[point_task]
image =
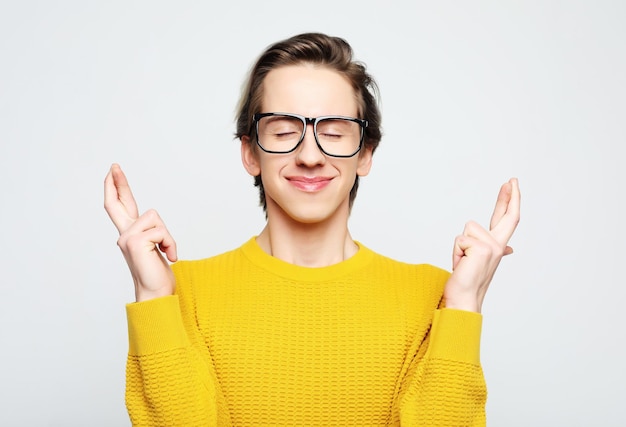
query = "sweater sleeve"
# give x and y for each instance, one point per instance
(444, 383)
(170, 378)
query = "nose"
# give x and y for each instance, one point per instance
(308, 153)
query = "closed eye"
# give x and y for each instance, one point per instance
(330, 135)
(284, 134)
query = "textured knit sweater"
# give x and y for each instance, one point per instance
(250, 340)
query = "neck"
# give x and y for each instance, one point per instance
(307, 245)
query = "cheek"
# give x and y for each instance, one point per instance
(271, 168)
(351, 168)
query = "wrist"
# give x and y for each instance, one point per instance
(465, 304)
(142, 294)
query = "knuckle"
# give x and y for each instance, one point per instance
(152, 216)
(469, 226)
(152, 213)
(160, 230)
(122, 242)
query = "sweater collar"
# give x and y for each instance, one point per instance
(260, 258)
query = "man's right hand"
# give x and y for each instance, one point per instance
(143, 239)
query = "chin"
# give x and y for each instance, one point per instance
(312, 214)
(308, 217)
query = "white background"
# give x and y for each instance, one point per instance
(473, 92)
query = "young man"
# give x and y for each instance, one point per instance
(302, 325)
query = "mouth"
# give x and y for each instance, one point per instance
(309, 184)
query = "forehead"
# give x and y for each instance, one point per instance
(310, 90)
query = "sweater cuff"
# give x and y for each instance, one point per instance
(455, 335)
(154, 326)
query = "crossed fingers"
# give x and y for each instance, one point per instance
(506, 214)
(118, 199)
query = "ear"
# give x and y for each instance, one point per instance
(249, 157)
(365, 162)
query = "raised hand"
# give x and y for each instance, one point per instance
(477, 252)
(143, 239)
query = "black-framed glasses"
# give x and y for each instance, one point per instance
(282, 133)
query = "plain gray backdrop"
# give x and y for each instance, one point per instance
(473, 93)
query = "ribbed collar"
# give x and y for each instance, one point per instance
(260, 258)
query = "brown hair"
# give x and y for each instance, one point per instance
(315, 48)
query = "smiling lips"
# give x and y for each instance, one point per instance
(309, 184)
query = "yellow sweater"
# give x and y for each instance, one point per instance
(250, 340)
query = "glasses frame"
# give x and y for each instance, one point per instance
(305, 122)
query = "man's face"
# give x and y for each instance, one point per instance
(305, 185)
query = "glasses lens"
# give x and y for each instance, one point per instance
(279, 133)
(339, 137)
